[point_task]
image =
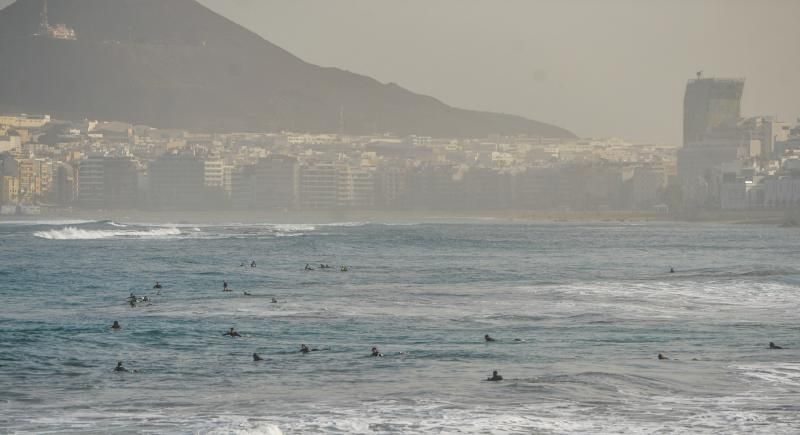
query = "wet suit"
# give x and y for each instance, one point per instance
(495, 377)
(232, 333)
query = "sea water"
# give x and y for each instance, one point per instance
(580, 313)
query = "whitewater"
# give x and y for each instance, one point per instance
(580, 313)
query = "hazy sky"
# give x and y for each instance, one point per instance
(598, 68)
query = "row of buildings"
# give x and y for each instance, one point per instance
(184, 181)
(111, 165)
(726, 161)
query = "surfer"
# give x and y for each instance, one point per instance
(376, 352)
(253, 264)
(274, 301)
(308, 267)
(232, 333)
(774, 346)
(660, 356)
(247, 294)
(157, 286)
(495, 377)
(116, 325)
(487, 338)
(225, 286)
(306, 349)
(257, 357)
(343, 269)
(671, 270)
(120, 368)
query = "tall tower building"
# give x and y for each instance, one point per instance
(711, 109)
(44, 25)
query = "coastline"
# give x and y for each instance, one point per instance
(762, 217)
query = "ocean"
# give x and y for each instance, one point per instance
(579, 313)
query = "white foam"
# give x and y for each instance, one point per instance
(346, 224)
(784, 374)
(245, 428)
(72, 233)
(293, 228)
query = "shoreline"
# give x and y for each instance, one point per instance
(759, 217)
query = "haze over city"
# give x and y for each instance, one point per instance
(601, 69)
(614, 68)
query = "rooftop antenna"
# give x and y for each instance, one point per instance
(45, 24)
(341, 119)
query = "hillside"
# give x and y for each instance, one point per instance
(175, 63)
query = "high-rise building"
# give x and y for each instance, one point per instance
(711, 109)
(214, 174)
(105, 182)
(318, 186)
(177, 182)
(64, 184)
(120, 182)
(391, 186)
(356, 187)
(711, 132)
(214, 180)
(90, 182)
(30, 180)
(276, 183)
(9, 190)
(270, 184)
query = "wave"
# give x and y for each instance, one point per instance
(291, 228)
(345, 224)
(735, 273)
(785, 374)
(246, 428)
(72, 233)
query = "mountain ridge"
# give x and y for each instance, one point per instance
(176, 63)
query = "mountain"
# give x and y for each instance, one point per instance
(175, 63)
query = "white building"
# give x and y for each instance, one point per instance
(8, 143)
(356, 187)
(214, 174)
(318, 186)
(24, 120)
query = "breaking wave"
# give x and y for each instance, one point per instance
(72, 233)
(292, 228)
